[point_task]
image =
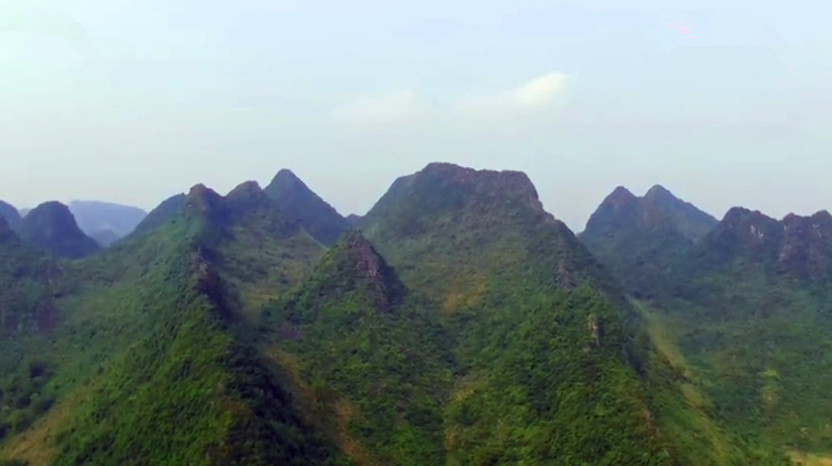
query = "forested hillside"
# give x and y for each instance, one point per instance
(456, 323)
(749, 306)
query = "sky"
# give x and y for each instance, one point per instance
(723, 103)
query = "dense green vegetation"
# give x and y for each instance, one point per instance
(371, 365)
(146, 369)
(462, 325)
(639, 239)
(165, 212)
(749, 307)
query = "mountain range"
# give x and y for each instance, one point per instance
(457, 322)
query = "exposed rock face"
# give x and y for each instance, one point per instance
(384, 286)
(800, 246)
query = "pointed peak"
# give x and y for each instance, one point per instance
(203, 200)
(286, 174)
(659, 192)
(246, 190)
(286, 186)
(355, 258)
(285, 180)
(620, 196)
(301, 205)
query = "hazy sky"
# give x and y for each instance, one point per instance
(132, 101)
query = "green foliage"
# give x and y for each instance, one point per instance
(373, 363)
(168, 210)
(749, 307)
(144, 334)
(491, 337)
(545, 380)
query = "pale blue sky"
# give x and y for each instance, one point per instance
(131, 101)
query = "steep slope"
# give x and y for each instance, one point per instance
(165, 212)
(688, 219)
(749, 306)
(754, 305)
(639, 239)
(9, 214)
(259, 246)
(145, 342)
(51, 227)
(312, 213)
(551, 364)
(359, 355)
(104, 221)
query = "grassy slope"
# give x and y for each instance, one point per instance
(761, 341)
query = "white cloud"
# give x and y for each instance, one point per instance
(541, 92)
(407, 106)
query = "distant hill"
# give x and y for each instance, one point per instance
(52, 227)
(317, 217)
(9, 214)
(106, 222)
(638, 238)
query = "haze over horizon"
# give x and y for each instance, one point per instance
(723, 105)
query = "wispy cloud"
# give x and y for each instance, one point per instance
(408, 106)
(538, 93)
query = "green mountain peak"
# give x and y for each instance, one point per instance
(354, 264)
(52, 227)
(204, 201)
(302, 205)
